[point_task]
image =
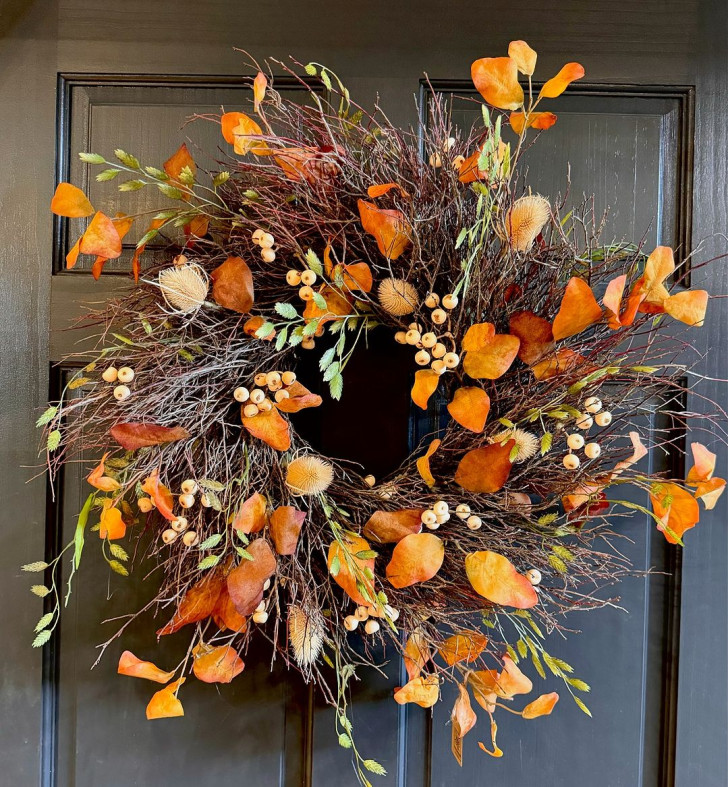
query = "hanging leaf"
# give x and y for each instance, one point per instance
(416, 558)
(71, 202)
(251, 516)
(423, 463)
(556, 85)
(285, 528)
(164, 704)
(232, 285)
(485, 469)
(488, 355)
(388, 527)
(496, 79)
(422, 690)
(216, 664)
(535, 334)
(270, 427)
(470, 407)
(464, 646)
(134, 667)
(541, 706)
(100, 481)
(161, 496)
(495, 578)
(245, 582)
(198, 603)
(426, 382)
(388, 227)
(579, 309)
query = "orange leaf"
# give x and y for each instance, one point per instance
(494, 577)
(423, 463)
(688, 306)
(111, 525)
(612, 302)
(72, 256)
(562, 361)
(133, 435)
(357, 276)
(351, 568)
(226, 616)
(468, 171)
(579, 309)
(243, 133)
(232, 285)
(101, 238)
(285, 527)
(556, 85)
(180, 159)
(162, 497)
(385, 188)
(388, 227)
(523, 56)
(485, 469)
(470, 407)
(676, 509)
(299, 164)
(270, 427)
(537, 120)
(422, 690)
(488, 355)
(512, 681)
(710, 491)
(164, 704)
(496, 79)
(252, 325)
(541, 706)
(416, 654)
(71, 202)
(535, 333)
(251, 516)
(426, 381)
(703, 464)
(97, 478)
(416, 558)
(336, 306)
(299, 398)
(136, 259)
(462, 647)
(198, 603)
(245, 582)
(130, 665)
(463, 716)
(388, 527)
(260, 83)
(123, 224)
(216, 665)
(483, 683)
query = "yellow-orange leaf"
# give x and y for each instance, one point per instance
(538, 120)
(494, 577)
(688, 306)
(496, 79)
(562, 361)
(579, 309)
(243, 133)
(180, 159)
(463, 716)
(416, 654)
(112, 525)
(101, 238)
(462, 647)
(251, 516)
(134, 667)
(424, 690)
(676, 509)
(123, 224)
(523, 56)
(541, 706)
(97, 478)
(485, 469)
(426, 381)
(71, 202)
(198, 603)
(388, 227)
(270, 427)
(416, 558)
(488, 355)
(299, 398)
(259, 85)
(556, 85)
(162, 497)
(388, 527)
(351, 576)
(384, 188)
(470, 407)
(216, 664)
(356, 276)
(423, 463)
(164, 704)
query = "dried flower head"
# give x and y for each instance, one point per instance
(398, 297)
(525, 219)
(309, 475)
(184, 287)
(526, 443)
(306, 635)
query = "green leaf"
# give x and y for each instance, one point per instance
(209, 562)
(522, 649)
(546, 442)
(644, 369)
(537, 664)
(42, 638)
(47, 416)
(374, 767)
(547, 519)
(119, 552)
(512, 653)
(214, 500)
(107, 174)
(344, 741)
(211, 541)
(44, 622)
(327, 358)
(118, 568)
(513, 453)
(564, 553)
(40, 590)
(159, 174)
(335, 566)
(579, 685)
(336, 386)
(243, 553)
(580, 704)
(506, 422)
(167, 214)
(39, 565)
(146, 238)
(169, 191)
(92, 158)
(296, 336)
(314, 263)
(54, 440)
(126, 158)
(320, 301)
(325, 79)
(208, 483)
(266, 329)
(132, 185)
(287, 310)
(242, 537)
(366, 554)
(345, 723)
(311, 69)
(331, 371)
(557, 564)
(310, 328)
(461, 237)
(186, 175)
(220, 179)
(281, 338)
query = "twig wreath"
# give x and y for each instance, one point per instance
(327, 223)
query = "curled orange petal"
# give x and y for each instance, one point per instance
(426, 382)
(101, 238)
(111, 525)
(216, 664)
(424, 690)
(470, 407)
(541, 706)
(97, 478)
(676, 509)
(423, 463)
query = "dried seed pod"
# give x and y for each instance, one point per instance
(371, 627)
(306, 293)
(308, 277)
(293, 278)
(179, 525)
(260, 617)
(398, 297)
(309, 475)
(525, 219)
(184, 287)
(412, 336)
(592, 450)
(451, 360)
(281, 395)
(474, 522)
(369, 480)
(585, 422)
(191, 538)
(186, 501)
(575, 442)
(266, 240)
(604, 418)
(428, 339)
(527, 444)
(422, 358)
(400, 337)
(288, 378)
(188, 486)
(571, 462)
(361, 613)
(439, 316)
(462, 511)
(438, 366)
(593, 404)
(121, 392)
(267, 255)
(110, 375)
(306, 635)
(169, 536)
(533, 575)
(250, 410)
(432, 301)
(450, 301)
(350, 623)
(241, 394)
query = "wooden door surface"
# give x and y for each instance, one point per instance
(645, 131)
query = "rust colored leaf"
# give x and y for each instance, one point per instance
(232, 285)
(496, 79)
(416, 558)
(270, 427)
(251, 516)
(464, 646)
(299, 398)
(162, 497)
(354, 277)
(424, 690)
(562, 361)
(180, 159)
(485, 469)
(416, 654)
(101, 238)
(216, 664)
(130, 665)
(164, 704)
(351, 575)
(103, 482)
(488, 355)
(523, 56)
(260, 83)
(388, 527)
(423, 463)
(198, 603)
(285, 527)
(538, 120)
(388, 227)
(384, 188)
(245, 582)
(133, 435)
(226, 616)
(71, 202)
(494, 577)
(579, 309)
(535, 333)
(112, 525)
(252, 325)
(556, 85)
(336, 306)
(676, 509)
(426, 381)
(541, 706)
(470, 407)
(463, 716)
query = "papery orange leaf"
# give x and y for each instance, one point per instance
(488, 355)
(423, 463)
(216, 664)
(424, 690)
(260, 83)
(251, 516)
(638, 452)
(388, 227)
(470, 407)
(494, 577)
(485, 469)
(535, 333)
(226, 616)
(245, 582)
(496, 79)
(198, 603)
(541, 706)
(612, 301)
(134, 667)
(356, 276)
(388, 527)
(416, 654)
(523, 56)
(426, 381)
(164, 704)
(703, 464)
(556, 85)
(111, 525)
(351, 575)
(416, 558)
(232, 285)
(155, 224)
(197, 227)
(384, 188)
(162, 497)
(133, 435)
(123, 224)
(285, 527)
(101, 238)
(299, 398)
(538, 120)
(97, 478)
(511, 680)
(71, 202)
(252, 325)
(676, 509)
(337, 306)
(688, 306)
(483, 683)
(710, 491)
(270, 427)
(462, 647)
(299, 164)
(463, 716)
(579, 309)
(243, 133)
(562, 361)
(72, 256)
(180, 159)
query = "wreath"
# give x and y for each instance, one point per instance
(324, 223)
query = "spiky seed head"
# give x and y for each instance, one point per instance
(184, 287)
(398, 297)
(526, 443)
(309, 475)
(306, 635)
(525, 219)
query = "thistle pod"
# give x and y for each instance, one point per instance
(398, 297)
(309, 475)
(184, 287)
(524, 221)
(306, 635)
